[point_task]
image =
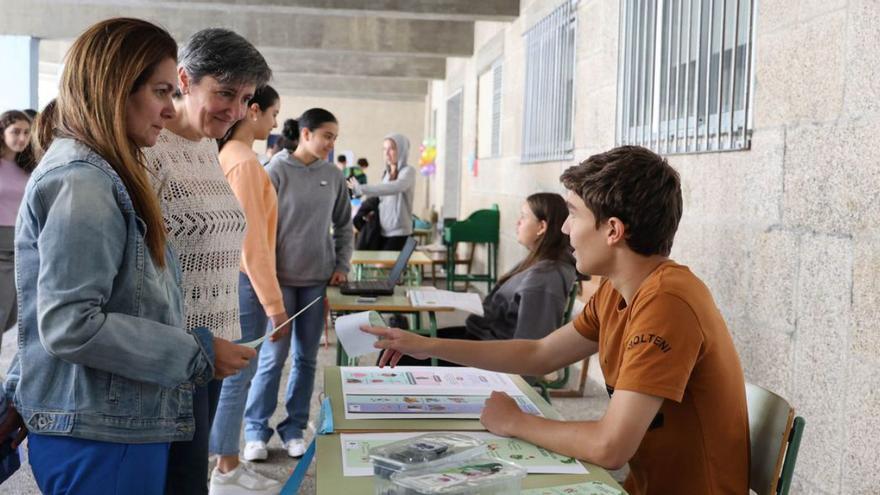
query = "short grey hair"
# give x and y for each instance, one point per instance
(225, 56)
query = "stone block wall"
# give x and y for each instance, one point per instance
(785, 234)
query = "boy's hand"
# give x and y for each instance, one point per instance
(500, 414)
(396, 342)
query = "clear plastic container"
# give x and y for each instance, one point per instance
(425, 453)
(477, 476)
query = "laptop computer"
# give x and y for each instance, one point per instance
(381, 287)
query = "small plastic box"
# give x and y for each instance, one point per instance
(425, 453)
(477, 476)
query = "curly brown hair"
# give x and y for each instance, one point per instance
(635, 185)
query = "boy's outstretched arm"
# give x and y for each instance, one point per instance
(525, 357)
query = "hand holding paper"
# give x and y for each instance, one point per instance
(255, 343)
(354, 341)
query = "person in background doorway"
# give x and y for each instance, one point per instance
(357, 171)
(395, 193)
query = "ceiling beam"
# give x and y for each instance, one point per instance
(348, 87)
(438, 10)
(348, 64)
(352, 34)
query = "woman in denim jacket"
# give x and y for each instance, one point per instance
(104, 374)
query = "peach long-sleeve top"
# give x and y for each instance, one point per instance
(250, 184)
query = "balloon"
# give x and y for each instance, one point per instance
(427, 155)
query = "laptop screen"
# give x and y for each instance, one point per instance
(402, 260)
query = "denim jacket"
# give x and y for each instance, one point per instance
(102, 352)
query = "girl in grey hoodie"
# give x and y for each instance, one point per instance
(395, 193)
(313, 248)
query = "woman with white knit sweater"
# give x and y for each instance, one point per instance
(219, 72)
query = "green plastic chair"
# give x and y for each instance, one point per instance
(481, 227)
(563, 375)
(774, 438)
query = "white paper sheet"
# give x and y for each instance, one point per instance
(465, 301)
(354, 341)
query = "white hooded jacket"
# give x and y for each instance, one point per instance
(395, 196)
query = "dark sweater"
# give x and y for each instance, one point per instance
(529, 305)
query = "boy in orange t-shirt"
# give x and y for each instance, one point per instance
(678, 412)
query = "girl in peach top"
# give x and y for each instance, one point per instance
(259, 294)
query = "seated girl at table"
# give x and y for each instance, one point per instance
(529, 301)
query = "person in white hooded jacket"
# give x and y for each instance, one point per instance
(395, 193)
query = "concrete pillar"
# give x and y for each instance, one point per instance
(18, 87)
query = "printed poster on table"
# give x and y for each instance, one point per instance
(424, 392)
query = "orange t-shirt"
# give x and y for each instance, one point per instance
(672, 342)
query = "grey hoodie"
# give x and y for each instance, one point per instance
(395, 196)
(311, 200)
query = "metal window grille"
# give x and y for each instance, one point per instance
(497, 73)
(549, 86)
(452, 156)
(681, 64)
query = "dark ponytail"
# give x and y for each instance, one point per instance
(289, 135)
(264, 97)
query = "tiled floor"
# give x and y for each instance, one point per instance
(279, 465)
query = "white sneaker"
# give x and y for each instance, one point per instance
(295, 447)
(255, 451)
(242, 480)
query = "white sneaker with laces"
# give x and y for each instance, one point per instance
(243, 480)
(295, 447)
(255, 451)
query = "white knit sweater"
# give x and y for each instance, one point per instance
(206, 227)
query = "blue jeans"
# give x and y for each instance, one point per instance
(68, 465)
(263, 395)
(226, 431)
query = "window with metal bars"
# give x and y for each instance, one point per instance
(684, 74)
(489, 112)
(497, 73)
(548, 105)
